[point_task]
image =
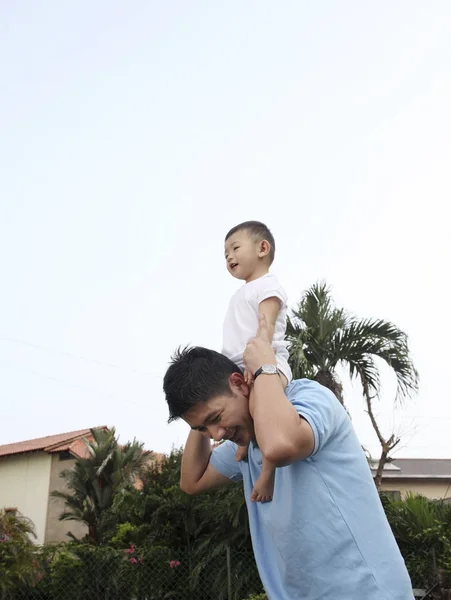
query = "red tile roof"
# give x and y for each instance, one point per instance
(71, 441)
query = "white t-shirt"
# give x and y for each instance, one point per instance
(241, 321)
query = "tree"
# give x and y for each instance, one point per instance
(96, 482)
(15, 527)
(17, 552)
(322, 337)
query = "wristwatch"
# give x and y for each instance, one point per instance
(266, 370)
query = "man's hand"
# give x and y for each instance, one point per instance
(259, 351)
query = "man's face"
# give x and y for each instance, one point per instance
(225, 417)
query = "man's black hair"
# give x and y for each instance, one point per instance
(259, 231)
(196, 375)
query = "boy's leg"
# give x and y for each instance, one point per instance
(264, 486)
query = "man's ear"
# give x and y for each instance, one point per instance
(236, 381)
(264, 248)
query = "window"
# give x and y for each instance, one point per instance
(65, 455)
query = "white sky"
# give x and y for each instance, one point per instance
(134, 135)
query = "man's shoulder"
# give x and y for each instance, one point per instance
(310, 397)
(304, 385)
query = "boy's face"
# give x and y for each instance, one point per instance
(225, 417)
(242, 255)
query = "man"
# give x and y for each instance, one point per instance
(324, 536)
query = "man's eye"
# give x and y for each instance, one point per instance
(216, 419)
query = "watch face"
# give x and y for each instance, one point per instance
(269, 369)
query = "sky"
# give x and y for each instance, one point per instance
(134, 135)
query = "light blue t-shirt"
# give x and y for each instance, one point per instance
(324, 536)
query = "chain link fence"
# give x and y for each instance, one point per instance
(87, 573)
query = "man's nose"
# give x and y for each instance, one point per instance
(217, 433)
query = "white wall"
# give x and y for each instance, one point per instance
(433, 489)
(24, 484)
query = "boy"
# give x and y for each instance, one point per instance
(249, 253)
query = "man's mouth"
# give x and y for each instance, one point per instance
(232, 436)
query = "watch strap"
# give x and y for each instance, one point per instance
(261, 370)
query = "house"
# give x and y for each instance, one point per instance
(430, 477)
(30, 470)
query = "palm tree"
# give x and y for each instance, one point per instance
(322, 337)
(14, 526)
(96, 482)
(17, 553)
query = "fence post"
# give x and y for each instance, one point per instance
(434, 563)
(229, 575)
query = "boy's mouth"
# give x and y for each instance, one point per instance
(233, 266)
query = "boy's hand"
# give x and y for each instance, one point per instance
(259, 351)
(248, 377)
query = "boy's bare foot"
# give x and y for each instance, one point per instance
(241, 453)
(264, 487)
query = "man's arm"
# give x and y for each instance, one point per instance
(197, 474)
(282, 435)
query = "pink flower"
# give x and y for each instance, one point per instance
(130, 550)
(133, 561)
(174, 563)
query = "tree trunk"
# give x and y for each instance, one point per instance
(386, 445)
(380, 468)
(329, 380)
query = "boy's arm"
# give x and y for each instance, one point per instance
(270, 307)
(197, 475)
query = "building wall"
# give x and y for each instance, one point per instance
(56, 530)
(431, 488)
(24, 484)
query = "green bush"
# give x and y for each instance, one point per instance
(422, 529)
(18, 567)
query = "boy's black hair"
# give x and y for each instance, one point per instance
(196, 375)
(259, 231)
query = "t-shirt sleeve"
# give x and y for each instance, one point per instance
(223, 460)
(319, 407)
(269, 287)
